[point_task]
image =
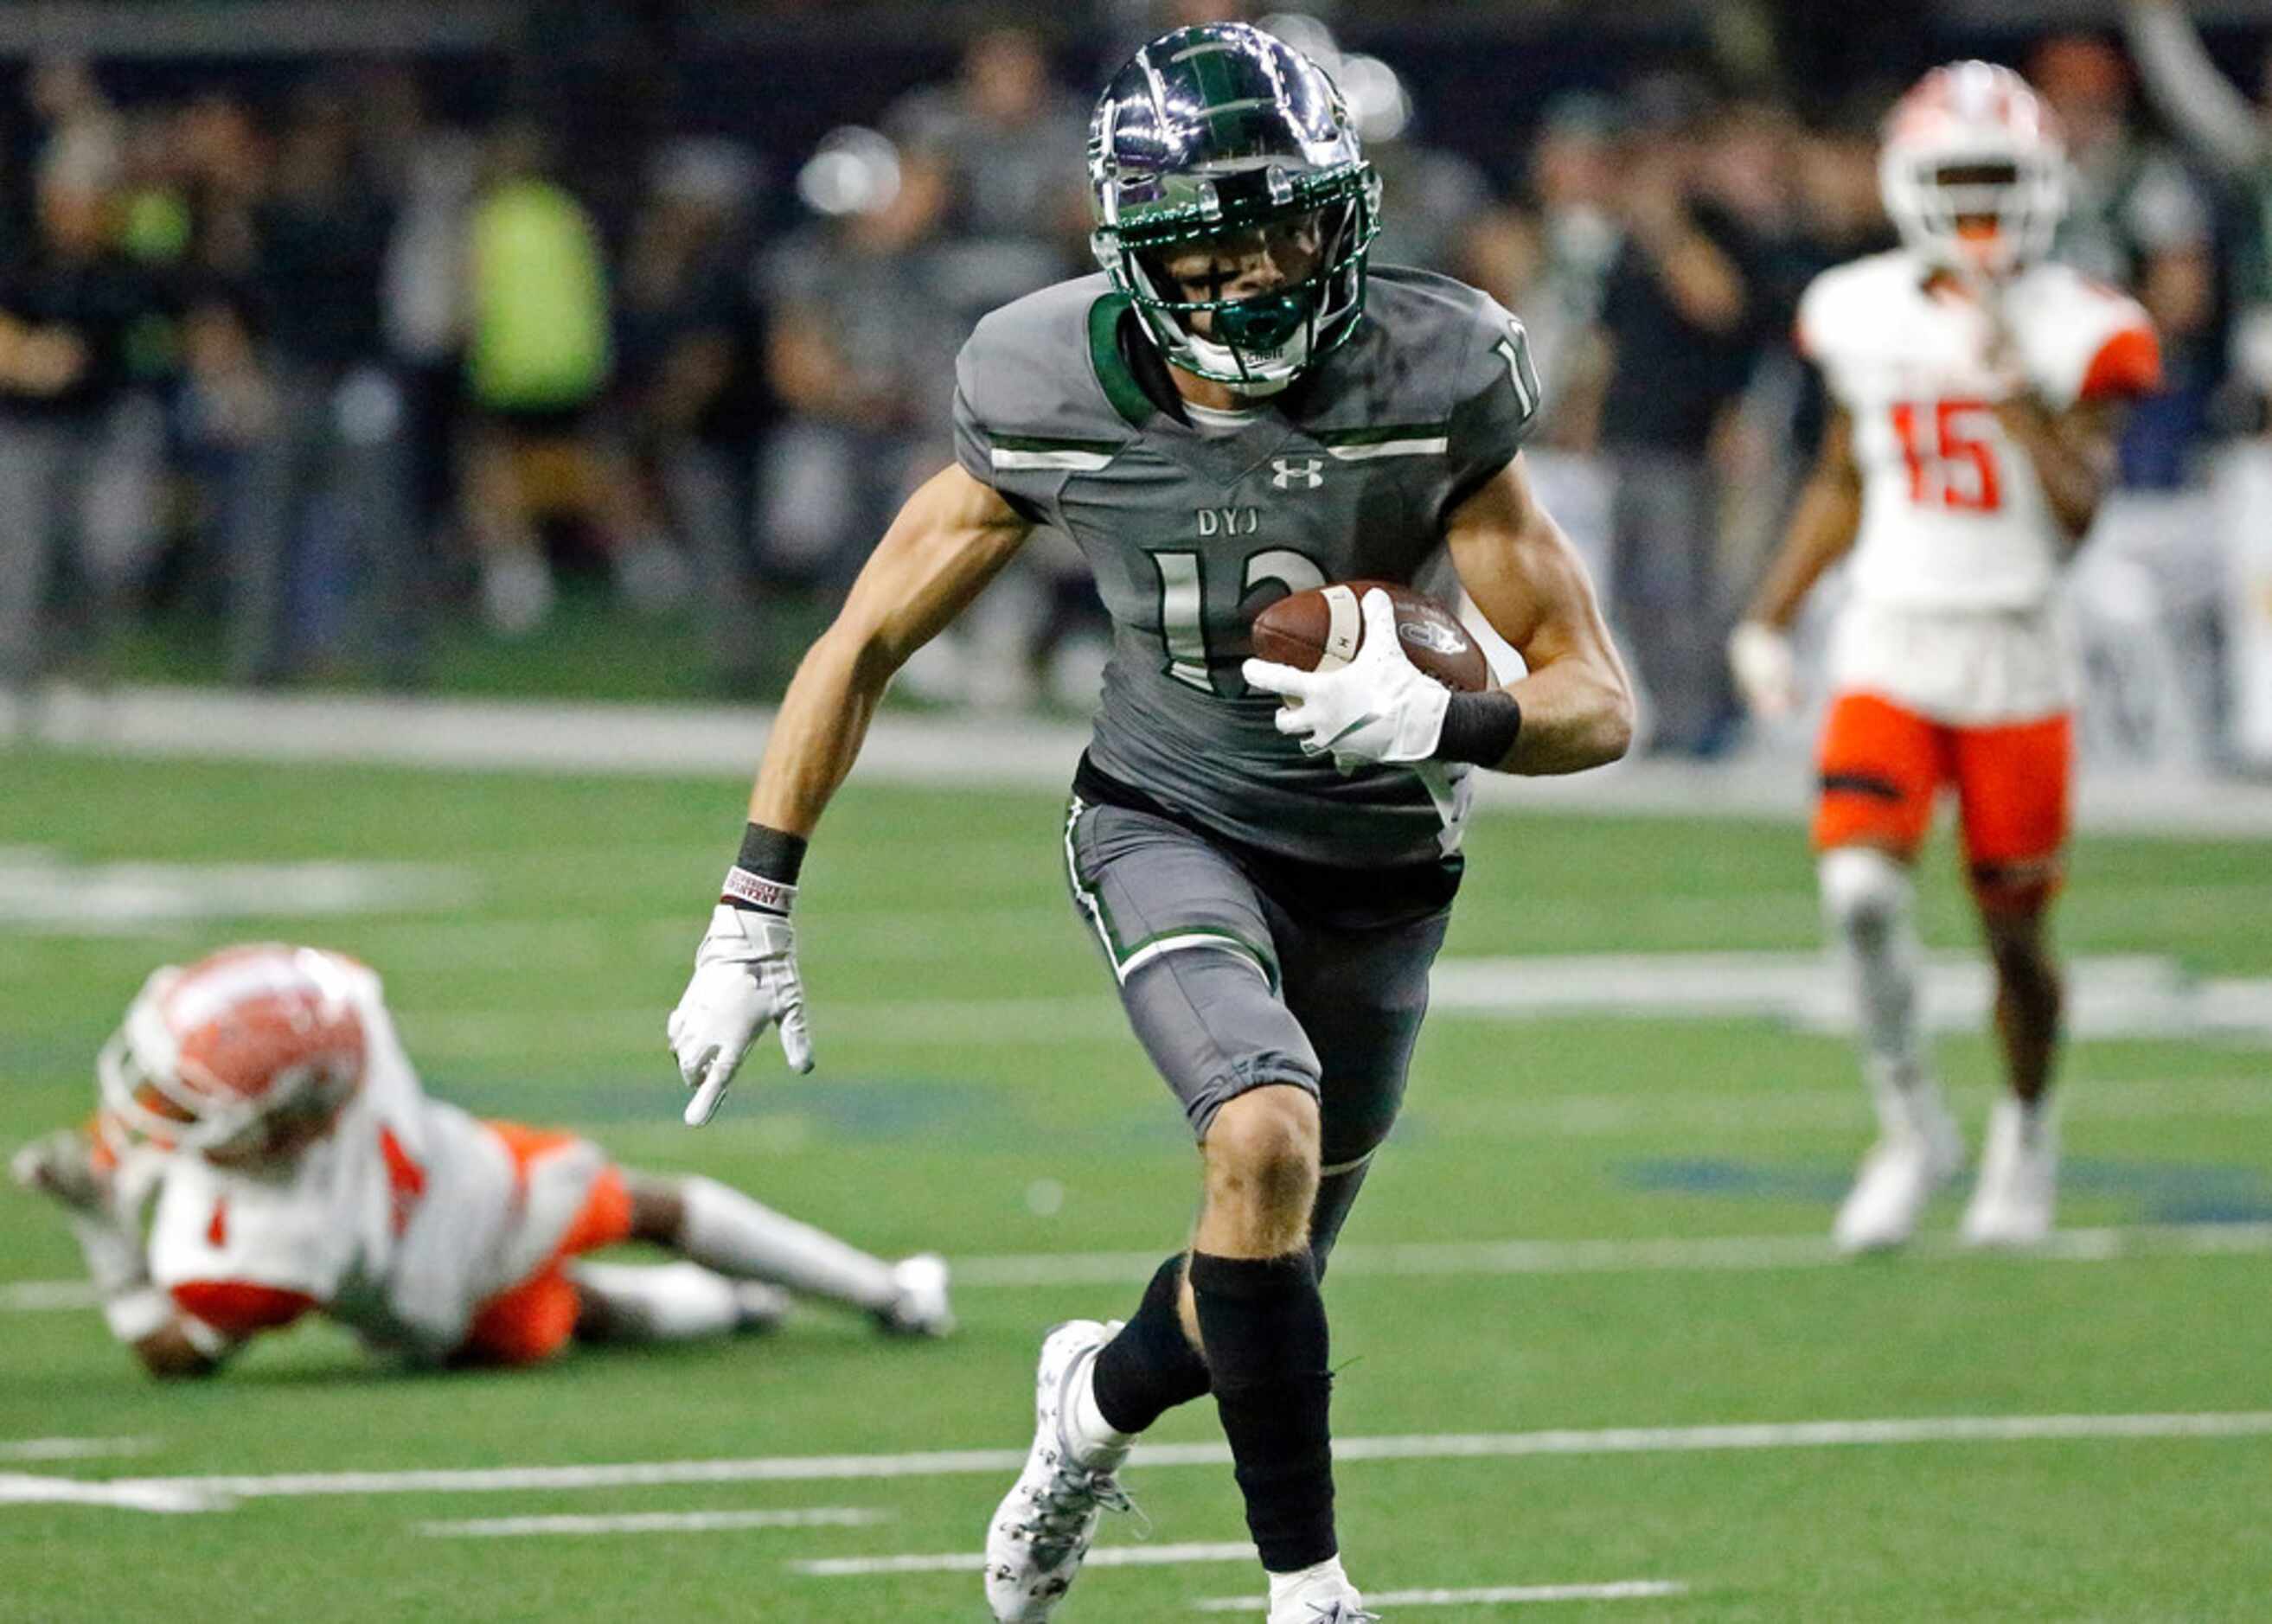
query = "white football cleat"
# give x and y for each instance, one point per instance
(2018, 1186)
(1340, 1610)
(1911, 1159)
(1042, 1528)
(922, 1308)
(1326, 1597)
(759, 1307)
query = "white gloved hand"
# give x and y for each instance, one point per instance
(1379, 707)
(1766, 674)
(61, 1165)
(745, 980)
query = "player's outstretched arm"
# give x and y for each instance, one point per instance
(952, 537)
(1822, 528)
(1577, 704)
(64, 1168)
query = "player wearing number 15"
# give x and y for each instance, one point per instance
(1239, 408)
(1976, 389)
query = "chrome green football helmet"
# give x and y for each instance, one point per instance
(1208, 134)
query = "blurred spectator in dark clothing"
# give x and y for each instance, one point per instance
(538, 362)
(1842, 218)
(427, 170)
(1682, 313)
(2234, 138)
(1551, 265)
(861, 353)
(81, 323)
(323, 499)
(691, 359)
(2137, 219)
(1565, 277)
(998, 153)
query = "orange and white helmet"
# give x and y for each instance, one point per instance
(1973, 171)
(245, 1054)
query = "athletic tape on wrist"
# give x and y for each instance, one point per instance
(744, 890)
(764, 875)
(137, 1313)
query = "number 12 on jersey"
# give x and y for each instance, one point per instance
(1950, 447)
(1183, 606)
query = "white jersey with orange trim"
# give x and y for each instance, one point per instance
(1954, 570)
(400, 1222)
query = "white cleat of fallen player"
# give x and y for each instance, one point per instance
(922, 1308)
(1918, 1151)
(759, 1307)
(2018, 1186)
(1044, 1525)
(1318, 1595)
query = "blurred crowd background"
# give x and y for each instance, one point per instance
(595, 340)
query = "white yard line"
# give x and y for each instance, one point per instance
(960, 1561)
(183, 1493)
(1077, 1020)
(73, 1449)
(23, 1489)
(1497, 1596)
(1703, 1253)
(975, 751)
(44, 1296)
(653, 1523)
(1490, 1258)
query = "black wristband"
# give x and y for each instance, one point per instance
(1480, 729)
(763, 878)
(771, 852)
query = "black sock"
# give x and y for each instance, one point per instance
(1263, 1325)
(1151, 1367)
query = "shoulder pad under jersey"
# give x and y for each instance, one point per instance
(1433, 357)
(1041, 392)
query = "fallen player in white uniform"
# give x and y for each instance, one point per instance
(259, 1105)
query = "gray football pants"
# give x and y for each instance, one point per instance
(1227, 991)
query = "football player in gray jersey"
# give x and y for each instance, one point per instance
(1238, 408)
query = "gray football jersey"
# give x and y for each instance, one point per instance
(1349, 476)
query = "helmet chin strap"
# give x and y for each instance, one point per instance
(1221, 358)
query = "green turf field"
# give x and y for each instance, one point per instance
(977, 1094)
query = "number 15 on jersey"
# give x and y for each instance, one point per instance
(1950, 449)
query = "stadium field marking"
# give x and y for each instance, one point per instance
(22, 1489)
(653, 1523)
(2238, 1008)
(73, 1449)
(1483, 1258)
(49, 1296)
(1682, 1254)
(976, 752)
(1497, 1596)
(219, 1493)
(972, 1562)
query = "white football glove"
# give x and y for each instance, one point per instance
(1766, 674)
(745, 980)
(60, 1167)
(1379, 707)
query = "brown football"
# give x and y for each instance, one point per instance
(1323, 628)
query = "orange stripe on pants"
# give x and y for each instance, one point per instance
(533, 1320)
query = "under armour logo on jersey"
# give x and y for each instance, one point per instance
(1298, 472)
